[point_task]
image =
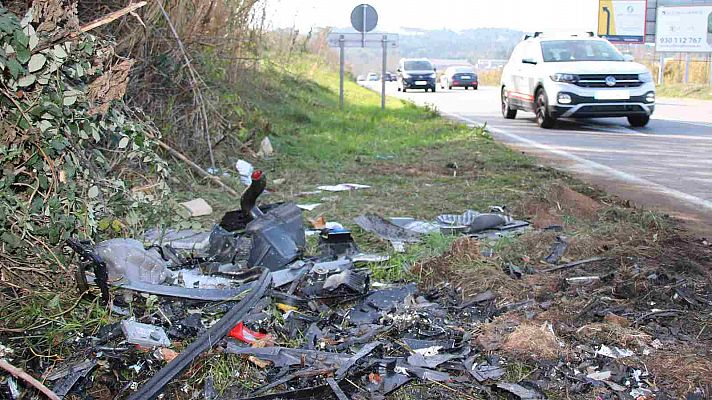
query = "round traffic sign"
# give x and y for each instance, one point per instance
(364, 18)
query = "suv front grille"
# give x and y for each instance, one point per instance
(599, 80)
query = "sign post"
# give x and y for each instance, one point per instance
(384, 43)
(364, 19)
(341, 71)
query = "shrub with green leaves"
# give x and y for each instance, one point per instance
(73, 158)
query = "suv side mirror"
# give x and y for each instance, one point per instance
(399, 70)
(528, 61)
(628, 58)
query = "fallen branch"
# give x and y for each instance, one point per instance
(108, 18)
(573, 264)
(197, 167)
(20, 374)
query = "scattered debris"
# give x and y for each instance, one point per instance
(557, 250)
(144, 335)
(309, 207)
(245, 170)
(266, 149)
(198, 207)
(614, 352)
(343, 187)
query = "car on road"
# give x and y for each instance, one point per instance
(575, 76)
(391, 77)
(459, 76)
(372, 77)
(360, 78)
(416, 73)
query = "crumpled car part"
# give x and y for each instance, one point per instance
(127, 258)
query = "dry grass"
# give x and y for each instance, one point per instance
(608, 333)
(535, 342)
(681, 370)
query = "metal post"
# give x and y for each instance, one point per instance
(661, 69)
(341, 72)
(363, 31)
(384, 42)
(710, 65)
(686, 78)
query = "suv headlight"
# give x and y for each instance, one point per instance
(645, 77)
(431, 75)
(565, 78)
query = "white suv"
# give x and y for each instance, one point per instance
(575, 76)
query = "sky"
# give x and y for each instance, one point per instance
(524, 15)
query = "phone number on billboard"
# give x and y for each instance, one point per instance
(680, 40)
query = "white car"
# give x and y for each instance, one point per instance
(575, 76)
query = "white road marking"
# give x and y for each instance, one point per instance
(624, 176)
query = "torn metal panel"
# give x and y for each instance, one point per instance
(520, 391)
(483, 372)
(181, 292)
(386, 229)
(285, 357)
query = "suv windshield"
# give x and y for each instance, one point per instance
(418, 66)
(579, 50)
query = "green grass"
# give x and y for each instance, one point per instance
(690, 91)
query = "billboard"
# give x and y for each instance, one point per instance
(685, 29)
(622, 21)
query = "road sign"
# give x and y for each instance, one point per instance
(352, 39)
(685, 29)
(622, 21)
(364, 18)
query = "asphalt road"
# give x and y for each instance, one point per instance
(665, 166)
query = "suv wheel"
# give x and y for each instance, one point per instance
(543, 119)
(507, 112)
(638, 121)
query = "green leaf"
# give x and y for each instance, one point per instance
(104, 224)
(14, 67)
(23, 54)
(93, 192)
(21, 38)
(36, 62)
(123, 142)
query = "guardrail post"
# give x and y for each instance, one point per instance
(686, 78)
(661, 69)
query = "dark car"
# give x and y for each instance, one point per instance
(460, 76)
(416, 74)
(391, 77)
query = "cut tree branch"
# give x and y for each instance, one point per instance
(108, 18)
(20, 374)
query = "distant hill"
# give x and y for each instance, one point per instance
(471, 44)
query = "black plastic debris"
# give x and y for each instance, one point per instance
(557, 250)
(151, 389)
(66, 378)
(483, 372)
(336, 243)
(277, 237)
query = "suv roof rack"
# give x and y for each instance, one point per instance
(541, 34)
